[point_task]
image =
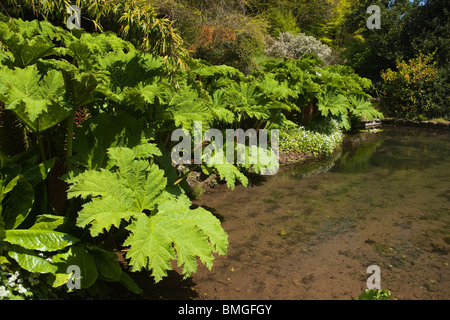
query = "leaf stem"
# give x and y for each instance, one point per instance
(41, 147)
(69, 142)
(40, 142)
(185, 175)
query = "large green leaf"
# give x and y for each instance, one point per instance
(96, 135)
(118, 195)
(42, 240)
(19, 202)
(80, 87)
(185, 107)
(102, 214)
(39, 172)
(28, 41)
(37, 102)
(193, 233)
(28, 51)
(363, 108)
(230, 173)
(80, 257)
(31, 261)
(129, 283)
(332, 102)
(2, 228)
(107, 264)
(24, 93)
(48, 222)
(135, 189)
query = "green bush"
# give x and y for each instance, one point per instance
(233, 45)
(235, 52)
(416, 90)
(281, 21)
(320, 139)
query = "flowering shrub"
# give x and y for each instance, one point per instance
(408, 91)
(295, 46)
(21, 284)
(210, 35)
(322, 139)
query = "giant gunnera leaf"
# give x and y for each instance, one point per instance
(161, 225)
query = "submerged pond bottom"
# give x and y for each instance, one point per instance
(311, 231)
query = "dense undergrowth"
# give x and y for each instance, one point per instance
(319, 139)
(85, 152)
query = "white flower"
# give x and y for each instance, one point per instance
(4, 293)
(13, 278)
(21, 289)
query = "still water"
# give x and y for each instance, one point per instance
(311, 231)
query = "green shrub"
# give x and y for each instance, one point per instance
(281, 21)
(320, 139)
(230, 45)
(416, 90)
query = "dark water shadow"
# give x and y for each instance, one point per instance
(172, 287)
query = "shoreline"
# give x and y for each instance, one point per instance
(441, 124)
(298, 158)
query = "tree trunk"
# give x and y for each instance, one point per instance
(307, 113)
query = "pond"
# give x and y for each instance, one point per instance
(311, 231)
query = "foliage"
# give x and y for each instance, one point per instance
(334, 30)
(408, 90)
(137, 192)
(98, 115)
(319, 140)
(295, 46)
(114, 82)
(375, 294)
(134, 21)
(370, 51)
(280, 21)
(309, 16)
(29, 247)
(409, 30)
(219, 32)
(331, 91)
(224, 46)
